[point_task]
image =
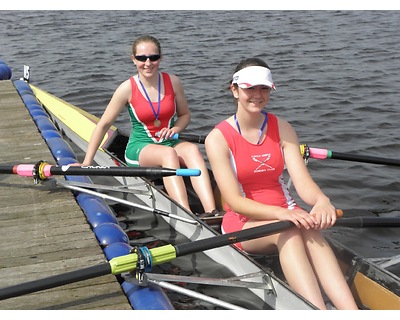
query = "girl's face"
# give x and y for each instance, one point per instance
(147, 58)
(254, 98)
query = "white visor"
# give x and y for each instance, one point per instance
(253, 76)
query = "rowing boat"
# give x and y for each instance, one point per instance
(373, 286)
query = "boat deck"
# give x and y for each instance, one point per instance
(44, 231)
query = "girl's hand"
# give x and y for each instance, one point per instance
(78, 164)
(166, 133)
(75, 164)
(325, 214)
(301, 218)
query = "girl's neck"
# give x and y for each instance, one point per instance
(149, 82)
(249, 132)
(250, 119)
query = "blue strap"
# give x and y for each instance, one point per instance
(261, 129)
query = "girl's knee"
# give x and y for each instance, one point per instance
(190, 153)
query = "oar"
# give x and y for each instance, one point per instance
(44, 170)
(191, 137)
(188, 137)
(317, 153)
(369, 222)
(149, 257)
(159, 255)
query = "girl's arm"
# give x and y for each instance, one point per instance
(182, 108)
(119, 100)
(304, 184)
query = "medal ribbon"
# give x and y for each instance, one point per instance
(261, 129)
(156, 114)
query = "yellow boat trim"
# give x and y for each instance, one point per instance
(374, 296)
(78, 120)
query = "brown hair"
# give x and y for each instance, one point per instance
(146, 38)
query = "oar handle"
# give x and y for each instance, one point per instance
(188, 172)
(317, 153)
(187, 137)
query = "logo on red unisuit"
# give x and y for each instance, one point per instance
(262, 159)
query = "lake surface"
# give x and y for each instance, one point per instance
(337, 75)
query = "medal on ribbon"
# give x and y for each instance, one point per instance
(156, 122)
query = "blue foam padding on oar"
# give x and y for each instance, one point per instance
(188, 172)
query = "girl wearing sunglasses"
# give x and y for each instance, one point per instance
(158, 109)
(248, 152)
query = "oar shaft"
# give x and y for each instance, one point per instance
(55, 281)
(366, 159)
(46, 170)
(238, 236)
(192, 137)
(369, 222)
(230, 238)
(122, 171)
(317, 153)
(7, 169)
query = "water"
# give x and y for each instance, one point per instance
(337, 75)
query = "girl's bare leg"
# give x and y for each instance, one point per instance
(328, 271)
(293, 258)
(192, 158)
(154, 155)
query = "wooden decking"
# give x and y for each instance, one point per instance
(43, 231)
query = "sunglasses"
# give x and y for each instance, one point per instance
(143, 58)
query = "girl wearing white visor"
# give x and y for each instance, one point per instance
(248, 152)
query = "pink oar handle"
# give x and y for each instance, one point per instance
(26, 170)
(317, 153)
